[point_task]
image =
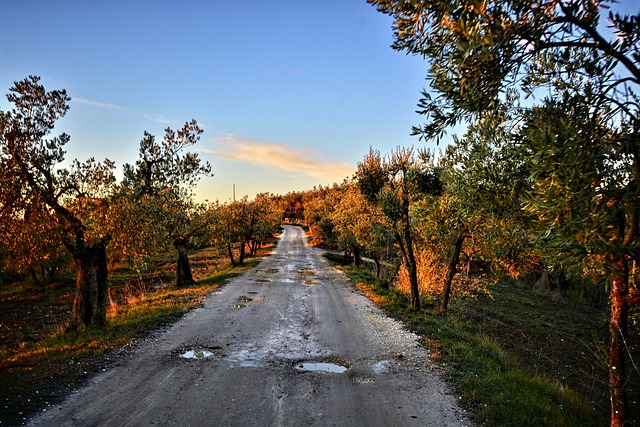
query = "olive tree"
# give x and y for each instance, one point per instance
(76, 197)
(393, 183)
(161, 182)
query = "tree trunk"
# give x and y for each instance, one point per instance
(412, 266)
(242, 253)
(617, 332)
(408, 257)
(230, 251)
(91, 303)
(34, 276)
(378, 266)
(413, 280)
(452, 270)
(357, 260)
(183, 268)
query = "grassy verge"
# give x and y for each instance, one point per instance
(517, 358)
(39, 365)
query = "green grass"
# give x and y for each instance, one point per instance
(517, 359)
(39, 365)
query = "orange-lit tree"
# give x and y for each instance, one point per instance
(74, 197)
(393, 183)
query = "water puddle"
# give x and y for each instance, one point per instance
(199, 353)
(381, 367)
(262, 280)
(247, 355)
(239, 305)
(332, 368)
(243, 298)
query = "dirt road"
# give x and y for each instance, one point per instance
(262, 351)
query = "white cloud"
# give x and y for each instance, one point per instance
(160, 119)
(279, 157)
(97, 104)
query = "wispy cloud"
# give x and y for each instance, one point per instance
(159, 118)
(98, 104)
(279, 157)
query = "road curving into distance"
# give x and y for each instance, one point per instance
(290, 343)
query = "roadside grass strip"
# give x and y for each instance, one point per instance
(38, 375)
(489, 380)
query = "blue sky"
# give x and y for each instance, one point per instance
(290, 93)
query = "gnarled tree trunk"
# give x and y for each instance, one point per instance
(91, 302)
(243, 247)
(183, 268)
(617, 331)
(357, 259)
(410, 263)
(452, 270)
(230, 252)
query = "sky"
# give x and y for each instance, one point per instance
(290, 93)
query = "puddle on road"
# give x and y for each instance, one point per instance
(243, 298)
(239, 305)
(199, 353)
(381, 367)
(263, 280)
(328, 367)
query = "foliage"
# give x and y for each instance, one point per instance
(244, 223)
(487, 177)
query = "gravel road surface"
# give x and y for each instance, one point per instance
(267, 350)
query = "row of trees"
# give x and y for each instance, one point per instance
(551, 102)
(51, 215)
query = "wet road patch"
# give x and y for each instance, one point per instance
(239, 305)
(332, 367)
(243, 298)
(197, 352)
(381, 367)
